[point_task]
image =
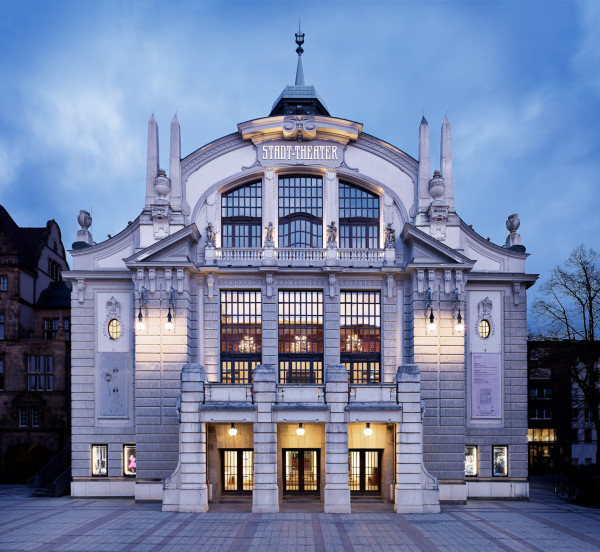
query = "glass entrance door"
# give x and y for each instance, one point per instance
(364, 471)
(301, 471)
(237, 470)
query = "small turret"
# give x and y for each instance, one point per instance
(299, 99)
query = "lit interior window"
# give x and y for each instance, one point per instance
(114, 328)
(484, 328)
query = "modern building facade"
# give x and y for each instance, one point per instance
(34, 348)
(561, 427)
(299, 310)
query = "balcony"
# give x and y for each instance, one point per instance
(298, 256)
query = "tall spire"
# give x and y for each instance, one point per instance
(299, 98)
(299, 51)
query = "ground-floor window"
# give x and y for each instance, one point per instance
(300, 370)
(301, 471)
(499, 461)
(237, 470)
(364, 471)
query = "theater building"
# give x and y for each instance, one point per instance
(299, 310)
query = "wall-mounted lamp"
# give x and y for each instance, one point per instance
(143, 302)
(169, 324)
(368, 431)
(232, 430)
(300, 430)
(459, 326)
(429, 306)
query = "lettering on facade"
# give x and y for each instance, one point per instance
(299, 153)
(300, 282)
(359, 283)
(240, 282)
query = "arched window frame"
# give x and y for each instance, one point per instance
(241, 216)
(359, 217)
(300, 211)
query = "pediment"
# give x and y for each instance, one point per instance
(177, 249)
(425, 251)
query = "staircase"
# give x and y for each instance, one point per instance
(54, 478)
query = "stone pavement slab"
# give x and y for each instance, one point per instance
(106, 525)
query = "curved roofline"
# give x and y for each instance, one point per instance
(488, 243)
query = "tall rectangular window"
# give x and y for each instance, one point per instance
(1, 325)
(301, 337)
(35, 416)
(23, 417)
(3, 283)
(241, 335)
(360, 335)
(40, 373)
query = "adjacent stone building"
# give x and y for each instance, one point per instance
(34, 348)
(299, 310)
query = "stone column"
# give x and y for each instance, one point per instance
(265, 496)
(416, 491)
(337, 490)
(185, 490)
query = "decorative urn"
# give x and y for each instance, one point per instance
(513, 222)
(162, 185)
(437, 186)
(84, 219)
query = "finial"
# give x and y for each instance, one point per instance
(299, 40)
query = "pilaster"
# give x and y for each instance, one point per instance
(337, 490)
(265, 495)
(186, 490)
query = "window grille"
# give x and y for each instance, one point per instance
(360, 335)
(301, 336)
(241, 335)
(301, 212)
(40, 373)
(359, 218)
(241, 216)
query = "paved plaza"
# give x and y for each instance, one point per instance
(67, 524)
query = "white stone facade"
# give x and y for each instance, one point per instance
(437, 390)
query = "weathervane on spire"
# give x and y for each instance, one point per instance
(299, 40)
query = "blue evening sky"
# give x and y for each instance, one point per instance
(518, 80)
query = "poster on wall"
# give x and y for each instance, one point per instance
(113, 378)
(486, 388)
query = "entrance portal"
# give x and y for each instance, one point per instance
(364, 472)
(237, 471)
(301, 471)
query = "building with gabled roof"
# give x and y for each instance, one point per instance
(34, 348)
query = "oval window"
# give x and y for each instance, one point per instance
(114, 328)
(484, 329)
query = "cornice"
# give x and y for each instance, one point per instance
(209, 152)
(387, 151)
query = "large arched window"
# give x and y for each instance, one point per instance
(359, 218)
(241, 216)
(301, 211)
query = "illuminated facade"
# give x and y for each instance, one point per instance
(299, 309)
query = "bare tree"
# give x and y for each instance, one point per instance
(569, 310)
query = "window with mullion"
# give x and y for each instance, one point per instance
(40, 373)
(301, 211)
(359, 218)
(241, 216)
(360, 335)
(241, 335)
(300, 336)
